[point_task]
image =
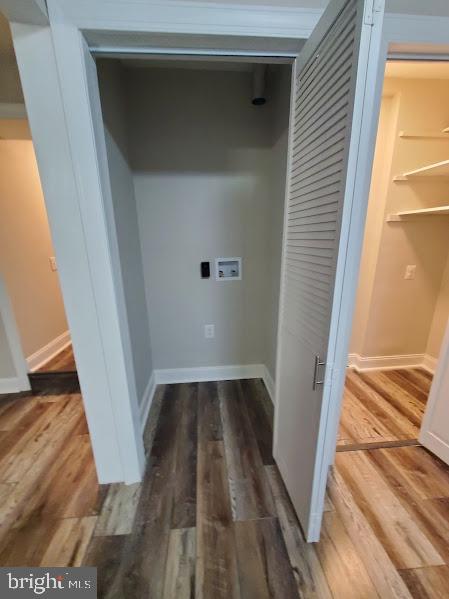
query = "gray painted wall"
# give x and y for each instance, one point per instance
(7, 369)
(280, 107)
(125, 216)
(206, 167)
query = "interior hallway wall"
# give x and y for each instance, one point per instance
(25, 249)
(125, 220)
(200, 154)
(400, 312)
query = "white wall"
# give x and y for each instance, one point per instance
(25, 248)
(203, 158)
(125, 217)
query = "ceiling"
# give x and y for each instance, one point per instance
(417, 69)
(10, 87)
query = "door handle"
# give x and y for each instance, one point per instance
(318, 363)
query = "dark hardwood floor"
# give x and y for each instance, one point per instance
(383, 408)
(212, 518)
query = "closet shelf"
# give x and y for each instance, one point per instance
(439, 169)
(405, 215)
(425, 134)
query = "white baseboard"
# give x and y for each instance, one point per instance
(209, 373)
(429, 363)
(364, 363)
(13, 385)
(147, 400)
(49, 351)
(269, 383)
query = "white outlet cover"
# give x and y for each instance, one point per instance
(53, 264)
(410, 272)
(209, 331)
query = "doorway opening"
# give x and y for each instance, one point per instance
(402, 305)
(29, 267)
(197, 153)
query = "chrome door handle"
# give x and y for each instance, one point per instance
(318, 363)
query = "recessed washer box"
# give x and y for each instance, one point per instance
(228, 269)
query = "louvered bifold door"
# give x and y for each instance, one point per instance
(325, 82)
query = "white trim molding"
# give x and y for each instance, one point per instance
(20, 381)
(365, 363)
(11, 385)
(25, 11)
(429, 363)
(180, 16)
(48, 351)
(147, 400)
(169, 376)
(269, 383)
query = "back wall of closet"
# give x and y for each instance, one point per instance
(209, 181)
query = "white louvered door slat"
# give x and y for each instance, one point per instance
(323, 102)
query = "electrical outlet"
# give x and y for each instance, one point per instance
(53, 264)
(410, 272)
(209, 331)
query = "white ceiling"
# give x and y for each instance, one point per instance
(417, 70)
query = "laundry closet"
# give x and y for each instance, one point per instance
(197, 153)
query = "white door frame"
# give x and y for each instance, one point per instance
(20, 381)
(52, 65)
(407, 34)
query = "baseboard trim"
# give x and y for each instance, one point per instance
(49, 351)
(269, 383)
(147, 400)
(365, 363)
(13, 385)
(429, 363)
(209, 373)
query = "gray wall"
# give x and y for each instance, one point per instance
(280, 107)
(7, 369)
(206, 167)
(125, 216)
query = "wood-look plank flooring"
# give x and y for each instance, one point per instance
(62, 362)
(383, 408)
(49, 494)
(212, 517)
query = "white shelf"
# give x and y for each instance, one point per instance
(425, 134)
(437, 211)
(439, 169)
